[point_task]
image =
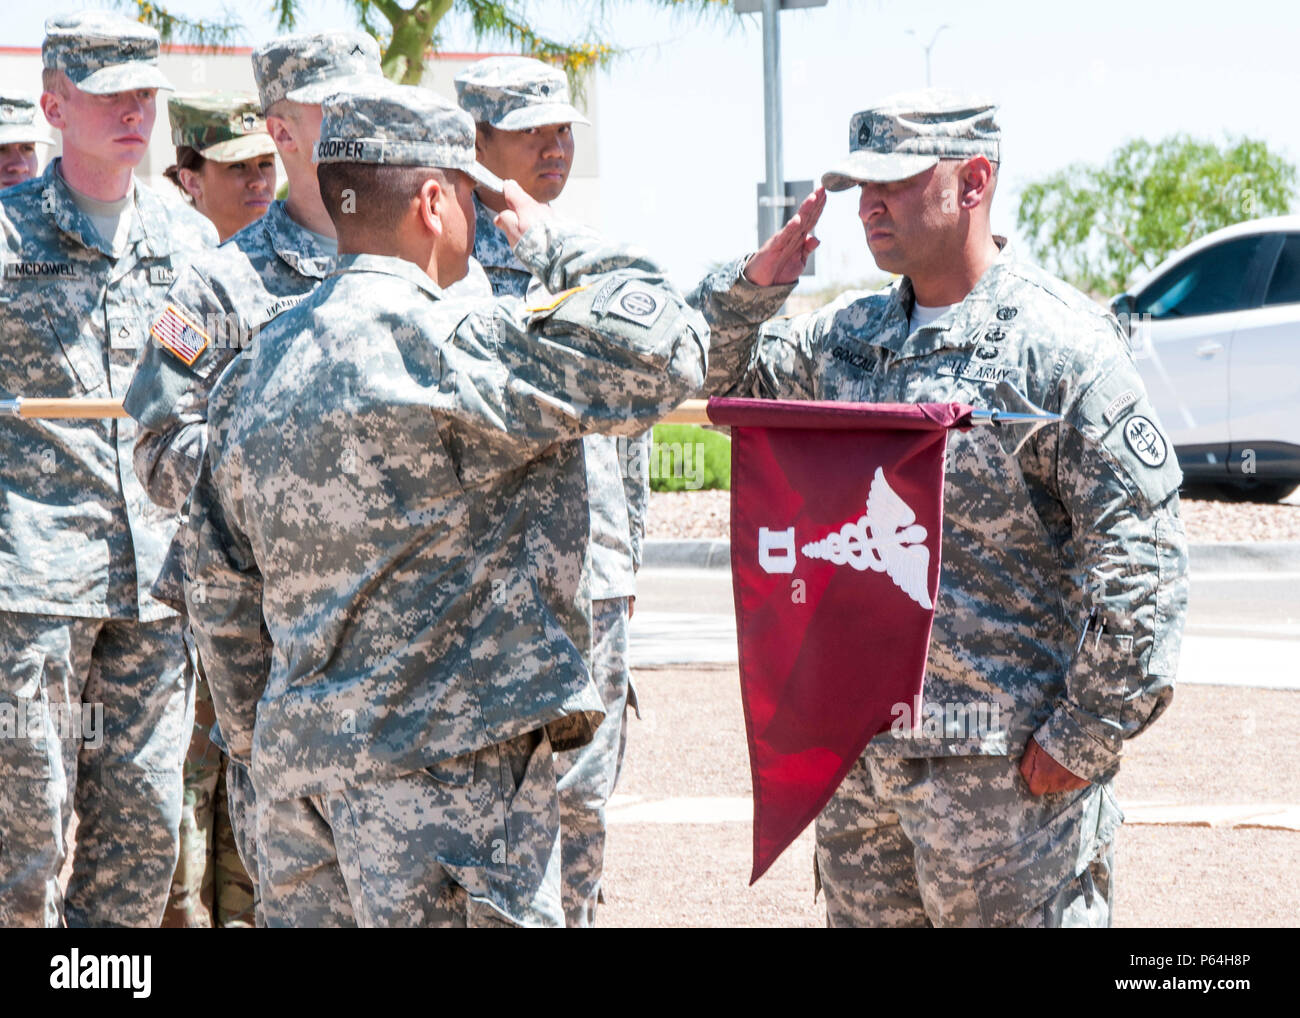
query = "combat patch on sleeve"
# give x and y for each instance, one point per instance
(179, 335)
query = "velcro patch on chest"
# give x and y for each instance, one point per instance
(275, 308)
(41, 270)
(979, 370)
(161, 275)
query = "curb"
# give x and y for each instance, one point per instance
(686, 553)
(1205, 559)
(1245, 557)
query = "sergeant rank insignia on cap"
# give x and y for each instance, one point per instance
(178, 335)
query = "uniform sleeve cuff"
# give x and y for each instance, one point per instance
(1084, 745)
(542, 244)
(764, 301)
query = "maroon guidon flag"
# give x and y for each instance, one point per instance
(836, 526)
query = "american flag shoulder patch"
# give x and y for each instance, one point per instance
(179, 334)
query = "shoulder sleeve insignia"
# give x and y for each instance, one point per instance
(638, 303)
(180, 335)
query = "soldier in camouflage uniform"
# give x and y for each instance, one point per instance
(523, 119)
(228, 296)
(88, 254)
(390, 483)
(211, 886)
(22, 128)
(1011, 823)
(225, 159)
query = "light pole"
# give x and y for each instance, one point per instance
(934, 38)
(771, 222)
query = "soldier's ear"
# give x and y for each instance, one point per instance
(192, 182)
(430, 214)
(52, 107)
(974, 178)
(281, 131)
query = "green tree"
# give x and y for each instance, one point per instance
(1096, 226)
(409, 34)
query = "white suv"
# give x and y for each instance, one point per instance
(1216, 332)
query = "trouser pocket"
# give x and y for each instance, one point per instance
(1014, 885)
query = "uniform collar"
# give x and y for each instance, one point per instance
(389, 266)
(961, 326)
(295, 245)
(490, 245)
(149, 226)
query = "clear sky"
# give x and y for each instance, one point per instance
(681, 115)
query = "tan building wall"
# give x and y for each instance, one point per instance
(191, 70)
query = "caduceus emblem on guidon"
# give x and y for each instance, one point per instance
(836, 525)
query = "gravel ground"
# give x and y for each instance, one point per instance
(1208, 517)
(691, 742)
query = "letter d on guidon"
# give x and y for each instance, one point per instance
(772, 541)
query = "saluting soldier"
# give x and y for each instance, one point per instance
(524, 131)
(391, 483)
(1064, 584)
(22, 128)
(88, 255)
(220, 302)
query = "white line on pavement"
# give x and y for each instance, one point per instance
(719, 809)
(1258, 662)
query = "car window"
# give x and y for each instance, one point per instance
(1210, 282)
(1284, 287)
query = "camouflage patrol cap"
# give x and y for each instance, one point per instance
(907, 134)
(102, 52)
(516, 93)
(307, 68)
(399, 125)
(224, 126)
(21, 121)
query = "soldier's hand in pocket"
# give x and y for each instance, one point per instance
(1043, 774)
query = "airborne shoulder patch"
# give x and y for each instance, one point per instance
(179, 335)
(637, 302)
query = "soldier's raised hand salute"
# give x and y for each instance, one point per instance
(783, 255)
(522, 213)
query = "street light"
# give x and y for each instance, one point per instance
(927, 49)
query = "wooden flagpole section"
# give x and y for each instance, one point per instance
(690, 412)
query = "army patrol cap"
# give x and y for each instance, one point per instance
(516, 93)
(21, 121)
(907, 134)
(307, 68)
(223, 126)
(399, 125)
(102, 52)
